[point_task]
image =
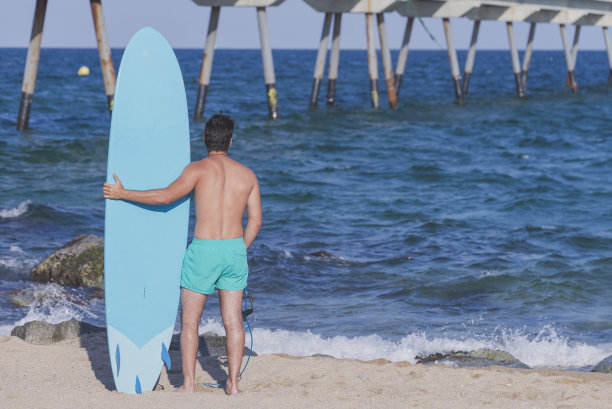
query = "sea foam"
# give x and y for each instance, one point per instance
(15, 211)
(547, 349)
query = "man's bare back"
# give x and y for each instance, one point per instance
(222, 194)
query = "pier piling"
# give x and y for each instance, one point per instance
(386, 60)
(372, 60)
(268, 63)
(454, 62)
(31, 68)
(334, 59)
(207, 62)
(568, 60)
(572, 81)
(320, 63)
(516, 65)
(609, 50)
(469, 64)
(403, 55)
(106, 59)
(527, 56)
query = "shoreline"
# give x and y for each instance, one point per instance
(76, 373)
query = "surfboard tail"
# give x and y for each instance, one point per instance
(137, 370)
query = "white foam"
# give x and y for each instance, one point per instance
(54, 305)
(286, 254)
(491, 273)
(549, 349)
(18, 261)
(15, 211)
(545, 350)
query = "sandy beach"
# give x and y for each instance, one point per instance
(76, 374)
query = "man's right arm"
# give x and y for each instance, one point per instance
(253, 209)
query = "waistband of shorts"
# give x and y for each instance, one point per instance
(227, 243)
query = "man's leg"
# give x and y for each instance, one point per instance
(231, 302)
(192, 304)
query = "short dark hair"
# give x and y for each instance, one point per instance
(218, 132)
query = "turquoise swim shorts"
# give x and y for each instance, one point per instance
(210, 264)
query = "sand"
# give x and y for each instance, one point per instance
(76, 374)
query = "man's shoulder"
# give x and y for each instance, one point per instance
(243, 168)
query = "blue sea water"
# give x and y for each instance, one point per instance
(448, 227)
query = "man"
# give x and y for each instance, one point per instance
(216, 258)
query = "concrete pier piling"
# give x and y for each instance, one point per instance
(527, 56)
(207, 62)
(400, 67)
(609, 50)
(469, 64)
(572, 81)
(320, 62)
(106, 59)
(372, 60)
(568, 60)
(334, 60)
(454, 62)
(268, 62)
(386, 60)
(516, 64)
(31, 68)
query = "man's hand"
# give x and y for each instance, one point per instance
(115, 191)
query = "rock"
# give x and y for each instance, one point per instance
(39, 332)
(209, 345)
(37, 295)
(604, 366)
(96, 294)
(322, 356)
(320, 253)
(21, 298)
(79, 263)
(478, 358)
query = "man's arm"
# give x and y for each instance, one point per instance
(253, 209)
(177, 189)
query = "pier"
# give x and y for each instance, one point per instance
(562, 13)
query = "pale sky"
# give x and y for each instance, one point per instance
(293, 25)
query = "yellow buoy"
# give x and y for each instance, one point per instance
(84, 70)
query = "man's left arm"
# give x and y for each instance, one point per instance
(177, 189)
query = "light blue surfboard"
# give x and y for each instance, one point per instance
(144, 245)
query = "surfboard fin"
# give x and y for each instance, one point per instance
(138, 390)
(117, 359)
(165, 356)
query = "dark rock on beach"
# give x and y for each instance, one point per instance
(604, 366)
(210, 345)
(478, 358)
(39, 332)
(79, 263)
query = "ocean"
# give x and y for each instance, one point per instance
(386, 233)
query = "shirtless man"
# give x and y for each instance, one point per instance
(216, 258)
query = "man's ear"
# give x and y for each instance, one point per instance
(231, 140)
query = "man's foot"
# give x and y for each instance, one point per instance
(232, 388)
(184, 389)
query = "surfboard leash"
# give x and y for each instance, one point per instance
(245, 313)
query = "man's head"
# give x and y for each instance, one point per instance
(218, 132)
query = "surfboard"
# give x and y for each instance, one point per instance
(144, 244)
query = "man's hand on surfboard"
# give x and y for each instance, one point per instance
(115, 191)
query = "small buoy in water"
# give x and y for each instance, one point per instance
(84, 70)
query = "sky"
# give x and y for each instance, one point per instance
(292, 25)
